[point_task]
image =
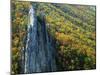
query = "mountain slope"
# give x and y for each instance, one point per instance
(72, 28)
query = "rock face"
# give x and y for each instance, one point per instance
(39, 52)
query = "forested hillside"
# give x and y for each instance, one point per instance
(72, 27)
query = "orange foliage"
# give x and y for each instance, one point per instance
(18, 14)
(63, 38)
